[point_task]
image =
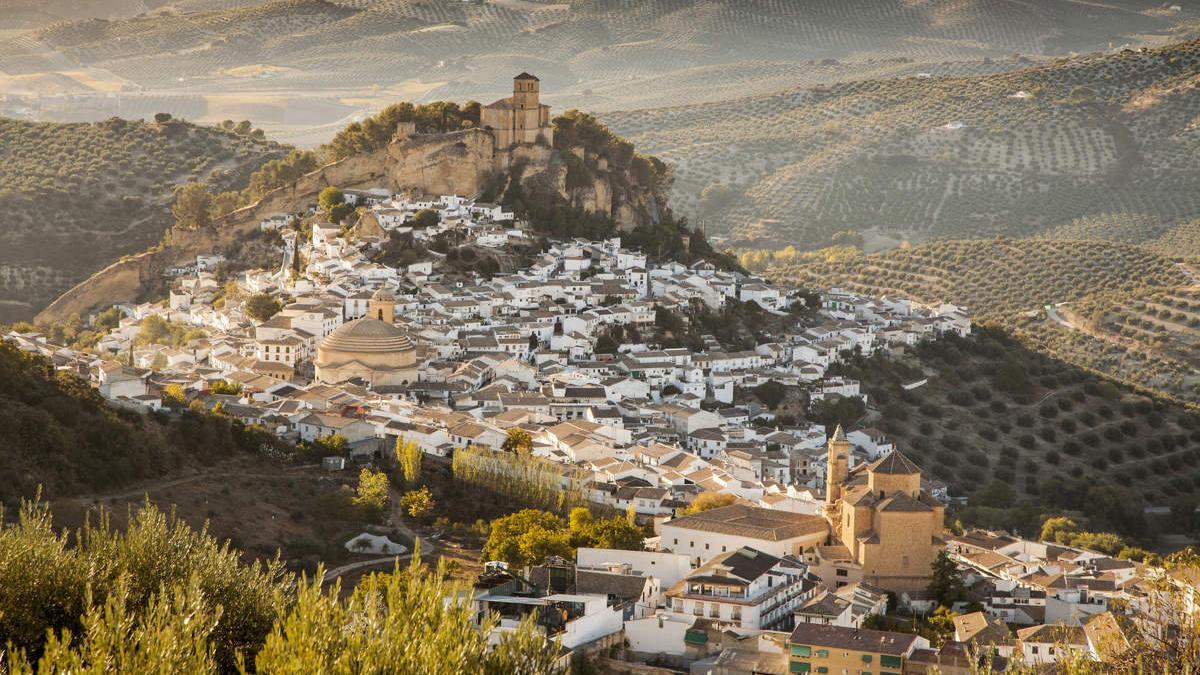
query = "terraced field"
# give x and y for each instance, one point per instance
(1149, 339)
(1015, 153)
(596, 55)
(996, 277)
(76, 197)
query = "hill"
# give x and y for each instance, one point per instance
(1058, 435)
(61, 435)
(1015, 153)
(301, 67)
(75, 197)
(1149, 338)
(994, 277)
(1107, 298)
(590, 183)
(1174, 240)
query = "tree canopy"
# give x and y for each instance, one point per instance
(261, 306)
(529, 536)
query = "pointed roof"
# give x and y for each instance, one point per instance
(903, 502)
(894, 463)
(526, 76)
(839, 436)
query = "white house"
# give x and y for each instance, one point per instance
(703, 535)
(745, 588)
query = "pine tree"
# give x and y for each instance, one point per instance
(946, 584)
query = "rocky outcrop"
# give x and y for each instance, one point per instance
(464, 162)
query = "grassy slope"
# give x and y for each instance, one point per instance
(78, 196)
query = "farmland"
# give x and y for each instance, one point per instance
(995, 411)
(78, 196)
(1120, 310)
(1019, 152)
(998, 276)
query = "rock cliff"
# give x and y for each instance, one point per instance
(464, 162)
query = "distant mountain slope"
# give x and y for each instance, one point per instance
(1174, 240)
(200, 57)
(75, 197)
(1011, 153)
(995, 277)
(1109, 300)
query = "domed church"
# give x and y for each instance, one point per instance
(371, 349)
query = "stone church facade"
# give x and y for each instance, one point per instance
(521, 118)
(889, 527)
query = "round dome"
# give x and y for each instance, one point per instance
(367, 336)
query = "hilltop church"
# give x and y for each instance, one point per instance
(885, 529)
(521, 118)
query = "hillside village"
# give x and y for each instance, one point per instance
(825, 530)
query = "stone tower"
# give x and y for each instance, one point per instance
(520, 119)
(382, 306)
(837, 468)
(526, 92)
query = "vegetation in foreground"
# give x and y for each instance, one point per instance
(161, 597)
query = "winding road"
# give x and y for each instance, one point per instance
(396, 521)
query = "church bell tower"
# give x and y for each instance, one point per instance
(837, 468)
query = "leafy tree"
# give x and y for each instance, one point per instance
(424, 218)
(1053, 528)
(939, 626)
(371, 494)
(261, 307)
(409, 456)
(193, 206)
(225, 387)
(518, 441)
(616, 532)
(771, 393)
(332, 202)
(996, 494)
(408, 621)
(417, 504)
(708, 501)
(331, 444)
(1104, 542)
(946, 584)
(526, 537)
(605, 344)
(843, 410)
(173, 396)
